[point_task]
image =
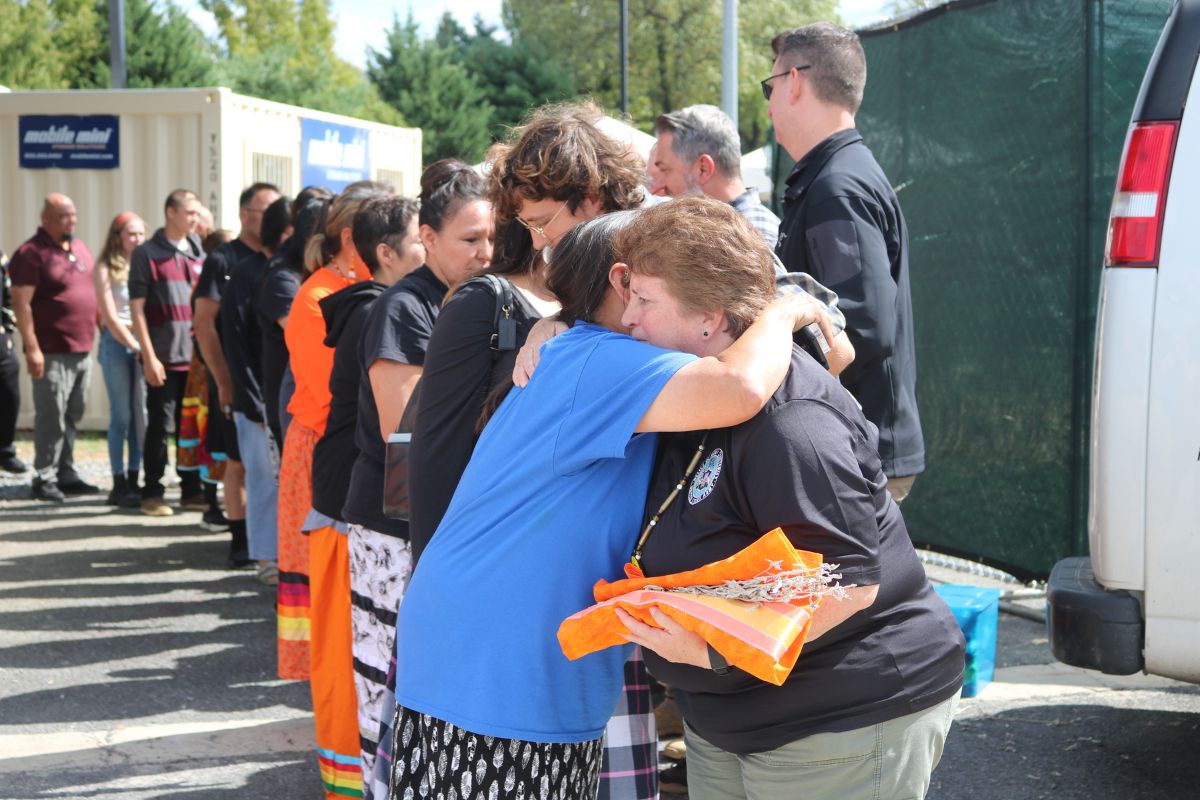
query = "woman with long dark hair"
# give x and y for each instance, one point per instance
(486, 701)
(557, 170)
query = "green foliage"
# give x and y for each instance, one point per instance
(283, 50)
(433, 91)
(47, 44)
(514, 77)
(163, 48)
(674, 50)
(279, 50)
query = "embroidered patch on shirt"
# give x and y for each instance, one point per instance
(706, 477)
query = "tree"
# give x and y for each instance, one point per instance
(47, 44)
(898, 7)
(163, 48)
(282, 50)
(674, 50)
(514, 77)
(431, 90)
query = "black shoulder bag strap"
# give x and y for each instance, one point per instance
(504, 327)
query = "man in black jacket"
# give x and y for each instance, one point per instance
(10, 370)
(843, 225)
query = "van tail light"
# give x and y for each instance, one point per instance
(1135, 223)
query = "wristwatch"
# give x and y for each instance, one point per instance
(718, 662)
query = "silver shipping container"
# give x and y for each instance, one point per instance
(125, 150)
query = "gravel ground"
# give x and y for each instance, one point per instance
(91, 462)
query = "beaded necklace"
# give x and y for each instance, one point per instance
(635, 559)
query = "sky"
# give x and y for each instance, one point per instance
(362, 23)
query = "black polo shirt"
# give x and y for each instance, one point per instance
(241, 337)
(842, 224)
(273, 299)
(218, 266)
(807, 464)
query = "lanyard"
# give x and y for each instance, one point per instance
(636, 558)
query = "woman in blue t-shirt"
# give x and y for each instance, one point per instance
(487, 702)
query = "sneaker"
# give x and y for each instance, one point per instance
(48, 491)
(13, 464)
(673, 779)
(77, 487)
(676, 750)
(239, 559)
(131, 499)
(119, 490)
(156, 507)
(213, 520)
(194, 502)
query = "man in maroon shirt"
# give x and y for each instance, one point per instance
(55, 305)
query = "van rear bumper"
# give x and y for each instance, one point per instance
(1090, 626)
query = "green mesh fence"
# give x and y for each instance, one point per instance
(1000, 124)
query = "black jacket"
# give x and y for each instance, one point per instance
(8, 318)
(345, 313)
(842, 224)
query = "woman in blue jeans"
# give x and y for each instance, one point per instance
(120, 357)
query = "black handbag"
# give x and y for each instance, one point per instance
(395, 466)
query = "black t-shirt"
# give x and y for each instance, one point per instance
(273, 301)
(397, 329)
(842, 224)
(461, 369)
(217, 267)
(806, 463)
(241, 337)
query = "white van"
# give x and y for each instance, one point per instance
(1134, 605)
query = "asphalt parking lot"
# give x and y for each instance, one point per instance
(136, 666)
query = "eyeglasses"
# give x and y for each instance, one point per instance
(768, 87)
(540, 230)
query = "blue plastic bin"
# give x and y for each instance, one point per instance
(977, 610)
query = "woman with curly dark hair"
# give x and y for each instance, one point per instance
(556, 171)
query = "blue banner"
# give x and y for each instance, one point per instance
(70, 141)
(333, 156)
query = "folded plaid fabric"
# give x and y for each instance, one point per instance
(762, 637)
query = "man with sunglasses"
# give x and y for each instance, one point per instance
(55, 305)
(843, 225)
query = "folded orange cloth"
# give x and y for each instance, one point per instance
(764, 639)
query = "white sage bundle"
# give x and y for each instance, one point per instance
(774, 585)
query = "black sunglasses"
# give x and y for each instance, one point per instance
(768, 87)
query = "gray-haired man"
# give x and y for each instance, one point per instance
(699, 152)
